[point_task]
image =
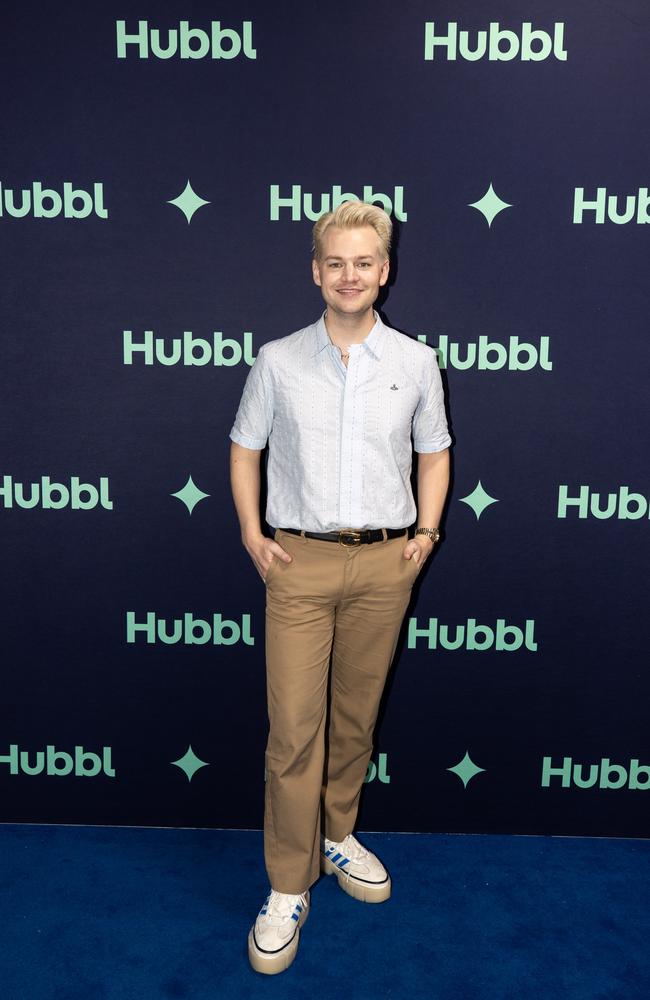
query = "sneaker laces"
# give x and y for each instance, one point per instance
(281, 905)
(353, 849)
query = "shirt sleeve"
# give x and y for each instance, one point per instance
(430, 432)
(255, 414)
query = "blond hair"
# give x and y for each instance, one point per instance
(354, 215)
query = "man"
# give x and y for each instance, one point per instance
(337, 402)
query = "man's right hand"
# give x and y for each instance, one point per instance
(263, 551)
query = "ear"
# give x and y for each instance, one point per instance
(383, 274)
(315, 272)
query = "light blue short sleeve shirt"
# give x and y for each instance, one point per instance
(341, 440)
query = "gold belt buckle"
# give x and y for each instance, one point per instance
(353, 536)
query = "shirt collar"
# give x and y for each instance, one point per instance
(373, 342)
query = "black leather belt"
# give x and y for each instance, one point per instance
(350, 537)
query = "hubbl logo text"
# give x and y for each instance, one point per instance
(54, 496)
(604, 774)
(46, 203)
(81, 763)
(499, 44)
(473, 636)
(490, 355)
(189, 630)
(624, 505)
(301, 204)
(188, 349)
(378, 770)
(186, 42)
(634, 207)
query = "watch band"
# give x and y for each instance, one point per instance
(432, 533)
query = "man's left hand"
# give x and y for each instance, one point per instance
(419, 549)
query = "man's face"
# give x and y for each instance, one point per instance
(351, 270)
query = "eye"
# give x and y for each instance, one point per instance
(334, 263)
(364, 263)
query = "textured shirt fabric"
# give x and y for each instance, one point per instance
(339, 439)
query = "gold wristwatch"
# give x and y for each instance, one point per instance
(432, 533)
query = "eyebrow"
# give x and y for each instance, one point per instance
(361, 256)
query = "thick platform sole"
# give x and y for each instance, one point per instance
(272, 964)
(365, 892)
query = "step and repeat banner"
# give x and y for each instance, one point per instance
(162, 166)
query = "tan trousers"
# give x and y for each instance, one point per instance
(334, 609)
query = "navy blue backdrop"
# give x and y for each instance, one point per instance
(162, 166)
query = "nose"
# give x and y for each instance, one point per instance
(350, 273)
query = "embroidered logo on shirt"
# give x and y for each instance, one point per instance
(393, 386)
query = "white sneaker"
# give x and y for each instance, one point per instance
(273, 938)
(358, 871)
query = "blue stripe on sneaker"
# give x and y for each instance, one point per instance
(345, 861)
(294, 916)
(336, 858)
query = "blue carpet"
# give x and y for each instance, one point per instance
(105, 913)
